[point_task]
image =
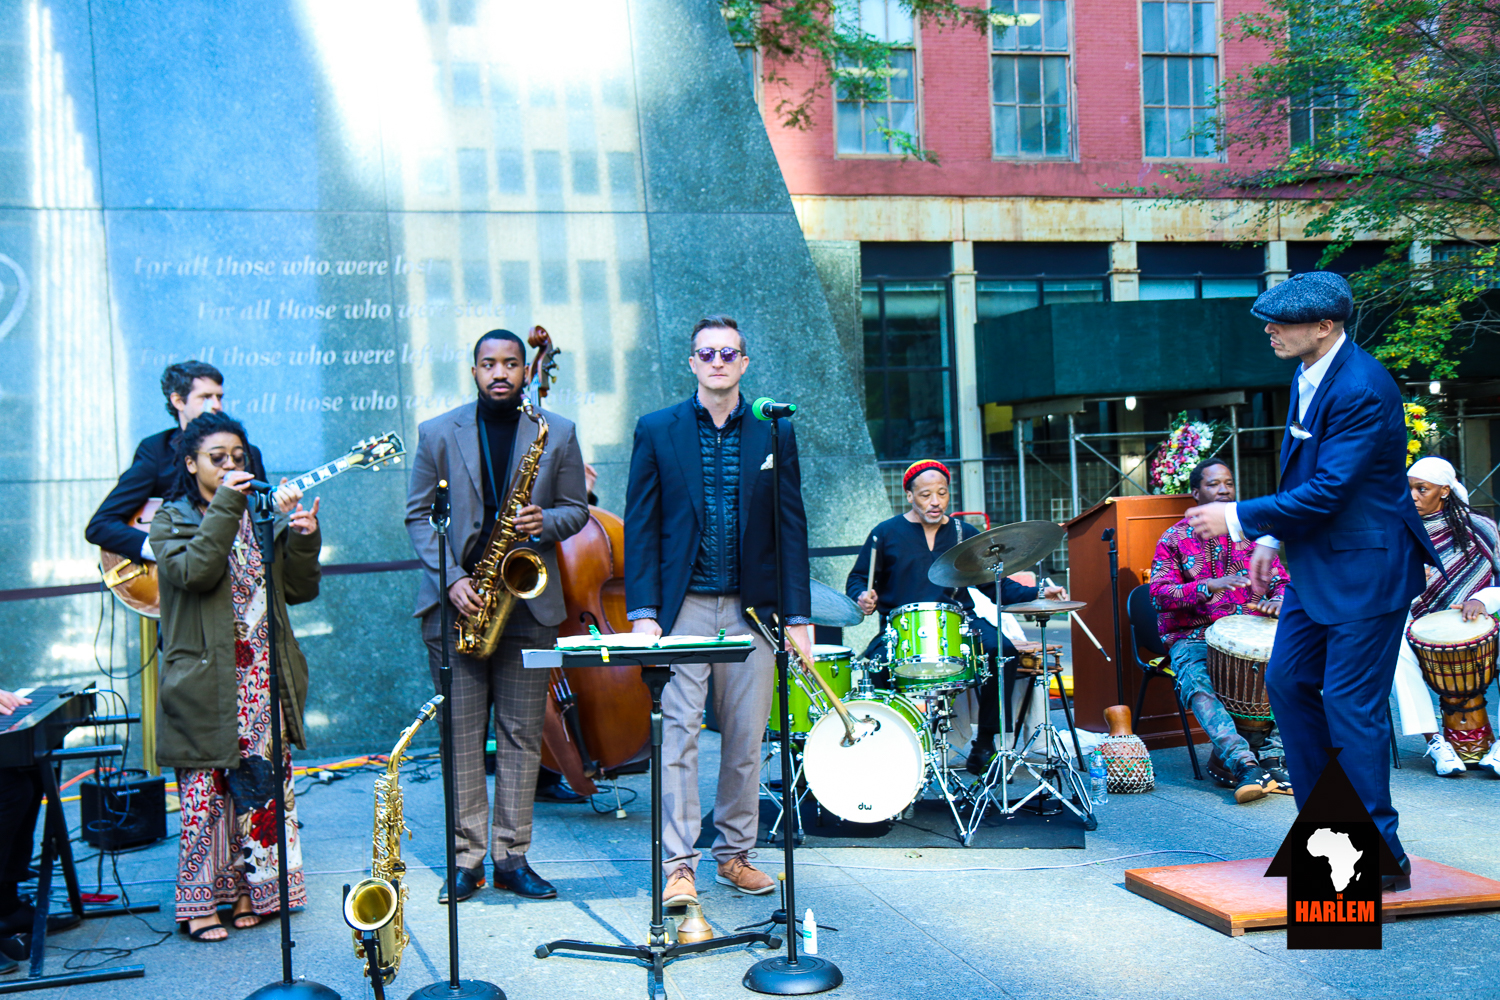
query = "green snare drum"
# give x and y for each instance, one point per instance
(808, 701)
(927, 641)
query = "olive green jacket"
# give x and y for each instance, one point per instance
(198, 718)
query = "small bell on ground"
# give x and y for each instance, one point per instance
(692, 927)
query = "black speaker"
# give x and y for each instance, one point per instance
(127, 809)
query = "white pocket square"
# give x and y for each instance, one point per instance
(1299, 432)
(768, 463)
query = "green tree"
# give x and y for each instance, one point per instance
(1385, 115)
(826, 36)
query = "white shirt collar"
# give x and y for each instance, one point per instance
(1308, 379)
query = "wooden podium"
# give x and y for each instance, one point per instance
(1139, 522)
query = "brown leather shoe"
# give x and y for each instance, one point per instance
(738, 872)
(680, 887)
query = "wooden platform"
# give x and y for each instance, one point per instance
(1233, 896)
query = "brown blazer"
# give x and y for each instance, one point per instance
(448, 448)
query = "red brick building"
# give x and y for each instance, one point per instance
(1010, 279)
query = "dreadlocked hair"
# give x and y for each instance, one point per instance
(192, 436)
(1456, 516)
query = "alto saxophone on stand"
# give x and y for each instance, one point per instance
(507, 572)
(373, 907)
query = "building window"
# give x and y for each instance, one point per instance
(1002, 297)
(750, 64)
(1179, 72)
(1200, 270)
(1029, 89)
(909, 385)
(864, 126)
(1323, 116)
(1199, 286)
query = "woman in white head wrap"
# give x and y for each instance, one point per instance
(1468, 543)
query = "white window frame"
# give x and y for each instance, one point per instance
(1218, 56)
(916, 101)
(1072, 104)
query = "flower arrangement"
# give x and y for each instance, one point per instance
(1425, 428)
(1189, 442)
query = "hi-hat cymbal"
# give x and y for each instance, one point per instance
(972, 562)
(832, 609)
(1044, 607)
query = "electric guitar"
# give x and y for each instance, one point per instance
(133, 582)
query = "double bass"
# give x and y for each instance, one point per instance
(598, 718)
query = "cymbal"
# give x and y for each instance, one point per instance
(1044, 607)
(971, 563)
(832, 609)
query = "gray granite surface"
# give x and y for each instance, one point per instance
(331, 202)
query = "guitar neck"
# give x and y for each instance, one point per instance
(322, 474)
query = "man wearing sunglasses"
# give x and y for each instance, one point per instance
(191, 388)
(698, 552)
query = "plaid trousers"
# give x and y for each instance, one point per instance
(519, 697)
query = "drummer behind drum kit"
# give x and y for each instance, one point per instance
(867, 754)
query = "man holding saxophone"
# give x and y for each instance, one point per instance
(487, 450)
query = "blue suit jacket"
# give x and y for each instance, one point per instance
(1354, 543)
(664, 512)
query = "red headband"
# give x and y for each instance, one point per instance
(915, 469)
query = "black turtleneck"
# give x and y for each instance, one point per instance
(497, 423)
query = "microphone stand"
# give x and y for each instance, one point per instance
(263, 514)
(455, 988)
(792, 975)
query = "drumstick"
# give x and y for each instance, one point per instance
(807, 669)
(874, 561)
(1079, 621)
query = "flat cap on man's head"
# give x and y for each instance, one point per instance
(1306, 298)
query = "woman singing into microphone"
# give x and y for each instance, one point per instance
(215, 719)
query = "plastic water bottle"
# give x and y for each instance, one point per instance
(809, 933)
(1098, 779)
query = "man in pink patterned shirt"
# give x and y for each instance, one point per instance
(1194, 584)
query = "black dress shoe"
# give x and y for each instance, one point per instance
(465, 884)
(980, 755)
(525, 882)
(559, 791)
(1398, 883)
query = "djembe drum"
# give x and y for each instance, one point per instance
(1458, 662)
(1127, 764)
(1239, 647)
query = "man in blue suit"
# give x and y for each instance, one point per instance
(1354, 546)
(699, 521)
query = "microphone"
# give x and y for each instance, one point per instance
(766, 408)
(439, 516)
(261, 486)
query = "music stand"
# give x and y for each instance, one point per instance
(655, 674)
(263, 513)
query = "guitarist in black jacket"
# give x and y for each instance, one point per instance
(190, 388)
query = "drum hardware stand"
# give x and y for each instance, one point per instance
(1054, 764)
(455, 988)
(658, 952)
(780, 798)
(263, 514)
(792, 975)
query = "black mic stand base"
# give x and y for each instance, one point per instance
(297, 989)
(468, 989)
(779, 977)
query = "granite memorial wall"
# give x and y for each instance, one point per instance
(330, 200)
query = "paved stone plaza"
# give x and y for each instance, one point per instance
(911, 923)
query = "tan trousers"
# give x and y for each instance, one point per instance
(742, 703)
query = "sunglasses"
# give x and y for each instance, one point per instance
(224, 459)
(726, 354)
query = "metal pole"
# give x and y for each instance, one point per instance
(1463, 446)
(1234, 429)
(1073, 463)
(1021, 466)
(150, 684)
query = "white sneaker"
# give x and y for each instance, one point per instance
(1491, 760)
(1445, 758)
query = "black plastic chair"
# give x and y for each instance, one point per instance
(1140, 609)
